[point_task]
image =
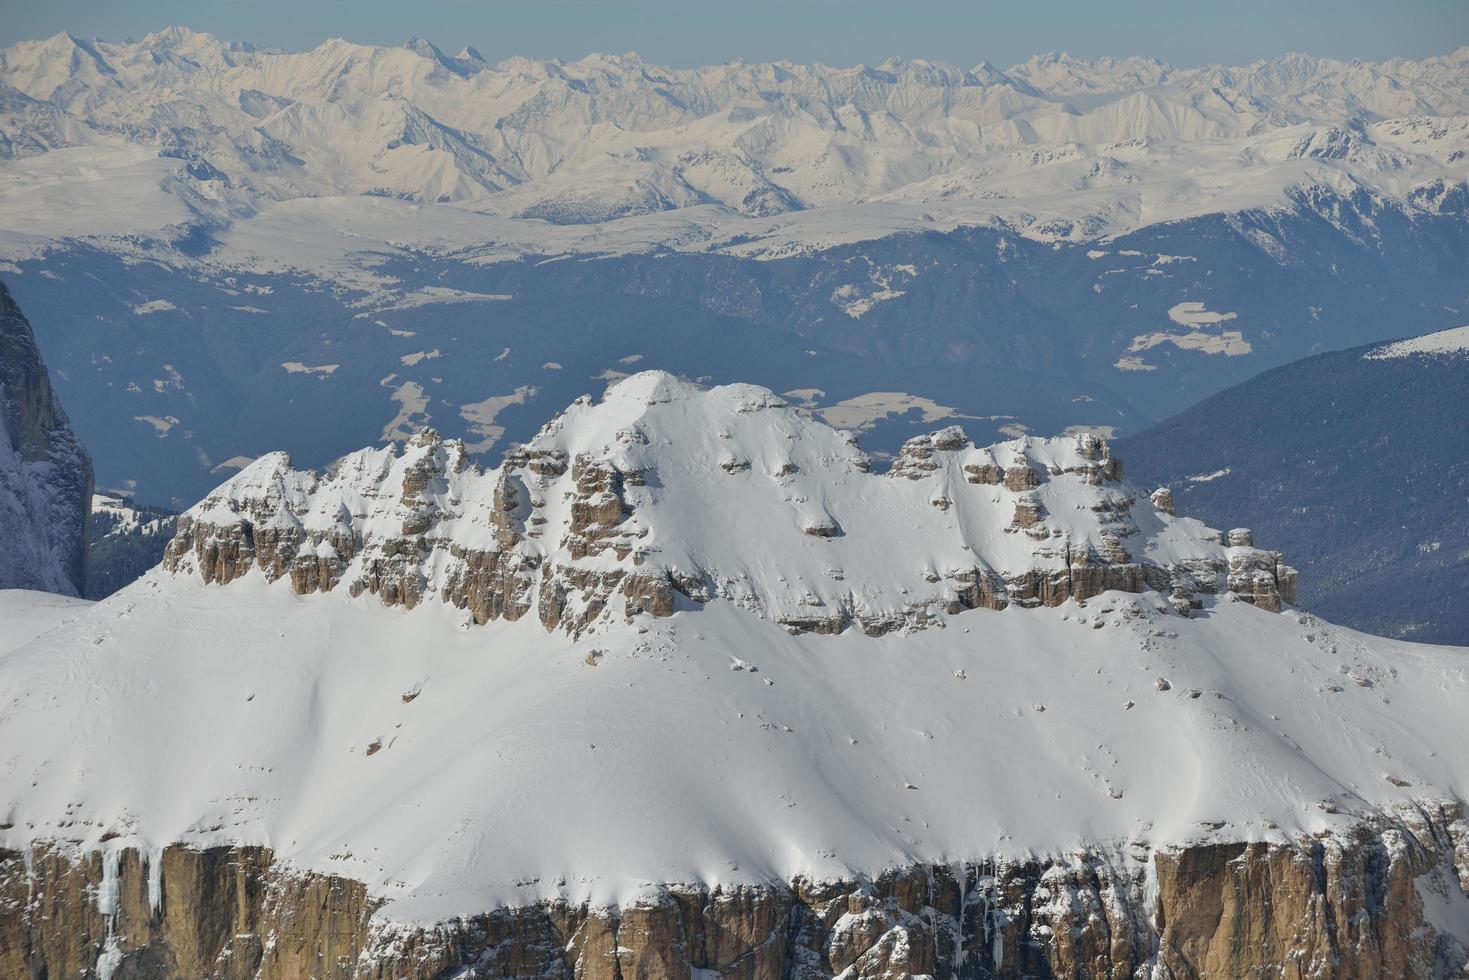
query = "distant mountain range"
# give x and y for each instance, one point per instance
(1058, 147)
(1356, 463)
(227, 250)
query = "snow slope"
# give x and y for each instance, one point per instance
(26, 614)
(453, 766)
(1444, 342)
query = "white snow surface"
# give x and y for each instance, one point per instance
(1452, 342)
(304, 159)
(26, 614)
(710, 746)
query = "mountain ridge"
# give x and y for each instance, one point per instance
(637, 499)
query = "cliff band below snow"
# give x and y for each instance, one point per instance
(1379, 902)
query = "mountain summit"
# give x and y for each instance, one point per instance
(643, 503)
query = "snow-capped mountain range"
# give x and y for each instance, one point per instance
(181, 127)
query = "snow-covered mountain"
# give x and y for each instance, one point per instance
(684, 684)
(45, 473)
(687, 639)
(638, 504)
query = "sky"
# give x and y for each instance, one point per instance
(836, 32)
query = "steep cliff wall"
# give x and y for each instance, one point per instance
(1384, 900)
(45, 474)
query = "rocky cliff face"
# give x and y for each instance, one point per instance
(45, 474)
(1385, 900)
(577, 525)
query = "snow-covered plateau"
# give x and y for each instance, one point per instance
(683, 686)
(685, 636)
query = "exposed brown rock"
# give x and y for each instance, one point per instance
(821, 527)
(517, 567)
(984, 473)
(1347, 906)
(915, 459)
(1021, 476)
(1342, 906)
(1028, 512)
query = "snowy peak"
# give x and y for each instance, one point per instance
(1062, 74)
(665, 495)
(466, 63)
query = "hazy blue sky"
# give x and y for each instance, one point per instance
(837, 32)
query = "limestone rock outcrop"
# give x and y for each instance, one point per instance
(666, 493)
(425, 522)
